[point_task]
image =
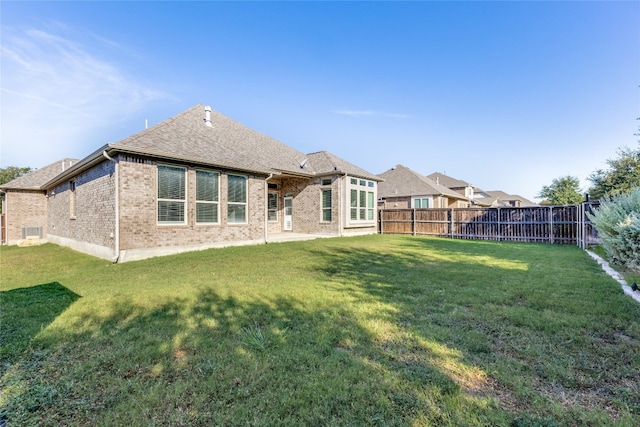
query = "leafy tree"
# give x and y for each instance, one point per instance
(12, 172)
(622, 176)
(9, 174)
(562, 191)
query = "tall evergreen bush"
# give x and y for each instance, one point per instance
(618, 224)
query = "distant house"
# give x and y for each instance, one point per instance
(404, 188)
(195, 181)
(457, 185)
(479, 197)
(510, 200)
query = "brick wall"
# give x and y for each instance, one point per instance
(94, 219)
(139, 228)
(24, 208)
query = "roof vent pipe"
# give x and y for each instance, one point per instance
(207, 115)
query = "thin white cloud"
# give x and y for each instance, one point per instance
(363, 113)
(58, 88)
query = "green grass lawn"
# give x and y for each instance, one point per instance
(374, 330)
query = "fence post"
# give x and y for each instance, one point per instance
(551, 224)
(380, 220)
(451, 222)
(499, 226)
(413, 222)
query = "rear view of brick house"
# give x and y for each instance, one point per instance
(195, 181)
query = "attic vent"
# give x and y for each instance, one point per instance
(207, 115)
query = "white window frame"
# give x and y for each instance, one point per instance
(363, 205)
(215, 202)
(169, 200)
(421, 199)
(324, 209)
(270, 210)
(244, 204)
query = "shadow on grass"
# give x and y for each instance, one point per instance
(216, 360)
(24, 313)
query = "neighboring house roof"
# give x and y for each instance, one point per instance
(401, 181)
(504, 197)
(222, 143)
(448, 181)
(36, 179)
(325, 163)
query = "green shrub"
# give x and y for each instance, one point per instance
(618, 224)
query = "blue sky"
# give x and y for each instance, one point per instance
(504, 95)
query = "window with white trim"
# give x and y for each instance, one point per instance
(207, 197)
(272, 207)
(420, 202)
(326, 205)
(172, 194)
(237, 199)
(362, 198)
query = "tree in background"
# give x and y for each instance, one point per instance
(562, 191)
(9, 174)
(622, 176)
(12, 172)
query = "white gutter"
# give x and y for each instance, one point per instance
(117, 196)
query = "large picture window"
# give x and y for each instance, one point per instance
(362, 198)
(237, 199)
(207, 197)
(171, 194)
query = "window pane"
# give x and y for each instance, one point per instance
(363, 199)
(272, 207)
(354, 198)
(170, 211)
(207, 212)
(354, 214)
(207, 186)
(237, 214)
(237, 189)
(370, 214)
(326, 198)
(326, 205)
(171, 182)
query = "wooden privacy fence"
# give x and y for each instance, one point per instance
(544, 224)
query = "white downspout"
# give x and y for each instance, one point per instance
(116, 257)
(343, 211)
(266, 208)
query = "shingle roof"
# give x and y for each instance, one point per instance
(324, 162)
(448, 181)
(36, 179)
(225, 143)
(401, 181)
(502, 196)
